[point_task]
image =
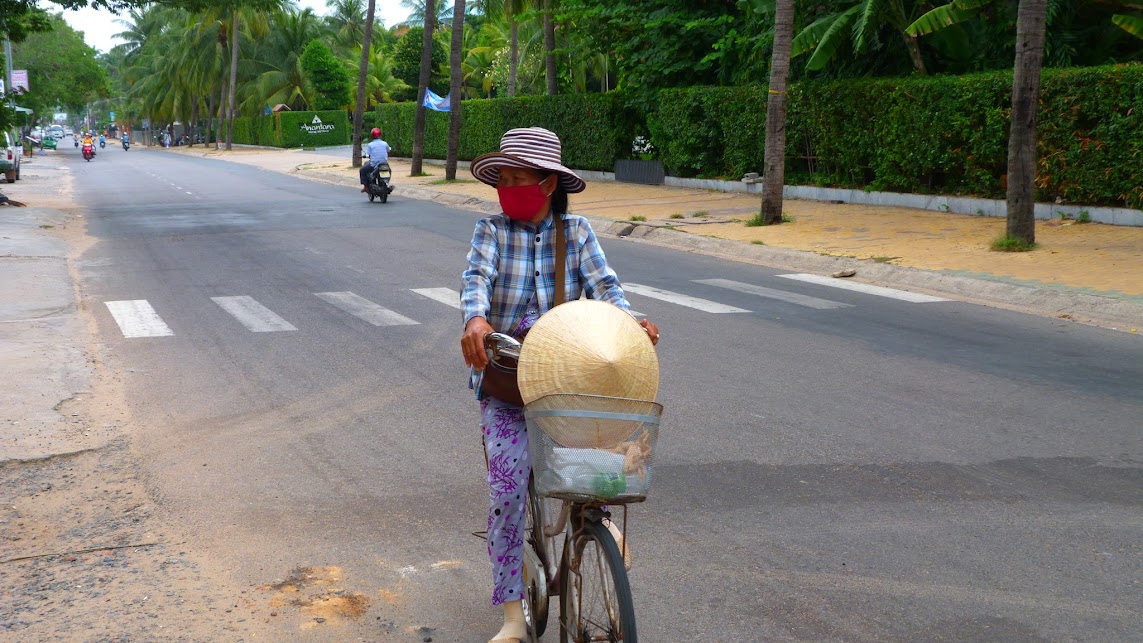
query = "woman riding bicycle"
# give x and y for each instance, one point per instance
(509, 283)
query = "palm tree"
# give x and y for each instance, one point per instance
(550, 48)
(1030, 20)
(143, 25)
(510, 10)
(775, 154)
(423, 84)
(419, 10)
(455, 60)
(359, 109)
(380, 83)
(251, 16)
(277, 61)
(347, 20)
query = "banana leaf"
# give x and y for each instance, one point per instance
(1131, 24)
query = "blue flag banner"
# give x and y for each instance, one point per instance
(434, 102)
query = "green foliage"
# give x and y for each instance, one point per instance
(62, 70)
(406, 56)
(595, 129)
(945, 16)
(327, 75)
(669, 43)
(945, 134)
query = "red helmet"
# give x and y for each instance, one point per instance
(376, 133)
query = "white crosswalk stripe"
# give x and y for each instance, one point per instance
(770, 293)
(704, 305)
(880, 291)
(364, 309)
(253, 315)
(446, 296)
(136, 318)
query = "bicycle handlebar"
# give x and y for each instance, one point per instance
(499, 344)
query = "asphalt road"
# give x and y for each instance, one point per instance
(866, 469)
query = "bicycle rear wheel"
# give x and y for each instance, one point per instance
(595, 595)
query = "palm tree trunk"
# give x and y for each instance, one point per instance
(221, 114)
(775, 159)
(1030, 26)
(550, 48)
(422, 85)
(193, 121)
(454, 90)
(362, 72)
(209, 117)
(513, 55)
(233, 80)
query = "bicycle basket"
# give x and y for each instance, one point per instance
(591, 448)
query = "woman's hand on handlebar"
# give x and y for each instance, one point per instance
(652, 331)
(472, 343)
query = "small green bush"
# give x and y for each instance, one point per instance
(1008, 243)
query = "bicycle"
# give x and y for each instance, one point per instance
(588, 454)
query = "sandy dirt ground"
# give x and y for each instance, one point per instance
(1091, 257)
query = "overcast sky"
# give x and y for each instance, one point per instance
(99, 26)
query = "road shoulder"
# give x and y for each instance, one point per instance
(85, 550)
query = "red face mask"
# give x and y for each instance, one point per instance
(521, 202)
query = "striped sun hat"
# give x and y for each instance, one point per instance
(530, 147)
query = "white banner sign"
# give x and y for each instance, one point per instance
(20, 79)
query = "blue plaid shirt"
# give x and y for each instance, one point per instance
(511, 260)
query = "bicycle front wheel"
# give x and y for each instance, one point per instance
(595, 595)
(536, 589)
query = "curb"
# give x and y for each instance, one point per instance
(1063, 303)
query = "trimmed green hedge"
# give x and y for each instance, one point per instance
(284, 129)
(595, 129)
(920, 134)
(292, 128)
(945, 134)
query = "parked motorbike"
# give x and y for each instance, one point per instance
(88, 152)
(378, 185)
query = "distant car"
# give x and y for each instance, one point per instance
(69, 131)
(48, 143)
(10, 157)
(56, 131)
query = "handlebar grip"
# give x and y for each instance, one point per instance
(500, 338)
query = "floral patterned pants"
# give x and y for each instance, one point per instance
(506, 444)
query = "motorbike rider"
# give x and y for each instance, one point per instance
(102, 140)
(378, 153)
(126, 139)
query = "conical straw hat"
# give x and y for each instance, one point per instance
(588, 347)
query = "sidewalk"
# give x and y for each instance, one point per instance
(1102, 265)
